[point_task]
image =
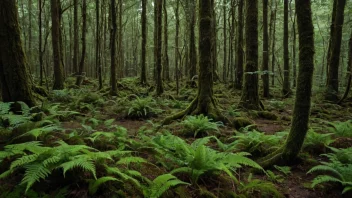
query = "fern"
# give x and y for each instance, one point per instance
(256, 142)
(42, 131)
(129, 160)
(199, 124)
(250, 187)
(341, 129)
(160, 185)
(143, 108)
(339, 167)
(34, 172)
(197, 159)
(95, 184)
(314, 140)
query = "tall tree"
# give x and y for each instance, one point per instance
(250, 95)
(144, 43)
(289, 151)
(177, 52)
(158, 44)
(239, 47)
(265, 50)
(286, 89)
(98, 65)
(204, 103)
(113, 33)
(166, 67)
(81, 75)
(15, 83)
(334, 50)
(225, 40)
(75, 36)
(56, 35)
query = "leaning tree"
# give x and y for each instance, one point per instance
(15, 80)
(289, 151)
(204, 103)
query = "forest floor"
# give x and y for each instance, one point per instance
(85, 116)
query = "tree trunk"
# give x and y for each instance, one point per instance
(144, 43)
(349, 71)
(55, 33)
(113, 33)
(239, 48)
(225, 43)
(98, 45)
(334, 52)
(166, 68)
(192, 41)
(14, 76)
(204, 103)
(265, 50)
(286, 90)
(81, 74)
(250, 95)
(158, 44)
(177, 52)
(75, 37)
(273, 27)
(291, 148)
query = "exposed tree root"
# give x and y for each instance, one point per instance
(196, 108)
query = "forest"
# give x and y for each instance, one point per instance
(175, 98)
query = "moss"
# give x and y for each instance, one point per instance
(264, 114)
(241, 122)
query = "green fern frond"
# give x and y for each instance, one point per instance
(325, 168)
(347, 188)
(95, 184)
(51, 160)
(5, 174)
(41, 131)
(161, 184)
(34, 172)
(124, 176)
(129, 160)
(23, 161)
(5, 108)
(324, 178)
(235, 160)
(84, 164)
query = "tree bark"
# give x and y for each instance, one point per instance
(75, 37)
(225, 41)
(144, 43)
(14, 76)
(288, 153)
(158, 44)
(113, 32)
(204, 103)
(265, 50)
(55, 33)
(286, 89)
(250, 95)
(239, 48)
(166, 67)
(81, 74)
(334, 52)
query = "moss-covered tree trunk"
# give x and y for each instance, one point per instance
(239, 48)
(113, 33)
(250, 95)
(334, 51)
(55, 34)
(265, 50)
(15, 81)
(192, 40)
(204, 103)
(300, 119)
(81, 75)
(286, 89)
(158, 44)
(144, 43)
